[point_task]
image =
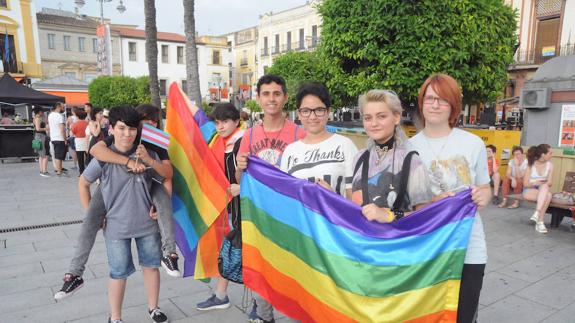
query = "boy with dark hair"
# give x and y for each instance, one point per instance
(127, 200)
(160, 195)
(268, 141)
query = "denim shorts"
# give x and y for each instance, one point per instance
(120, 254)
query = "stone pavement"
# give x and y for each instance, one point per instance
(529, 277)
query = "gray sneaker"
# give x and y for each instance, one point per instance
(213, 303)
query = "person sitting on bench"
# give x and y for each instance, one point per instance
(537, 182)
(514, 177)
(493, 168)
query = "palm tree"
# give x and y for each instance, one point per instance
(193, 77)
(152, 50)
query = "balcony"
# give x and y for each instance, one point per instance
(525, 58)
(312, 42)
(275, 50)
(244, 62)
(265, 51)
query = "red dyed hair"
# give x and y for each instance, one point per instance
(447, 89)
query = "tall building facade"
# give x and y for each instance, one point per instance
(69, 45)
(214, 62)
(295, 29)
(171, 56)
(545, 29)
(20, 28)
(243, 64)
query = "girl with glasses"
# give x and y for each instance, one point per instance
(321, 157)
(455, 160)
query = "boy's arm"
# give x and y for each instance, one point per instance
(84, 190)
(102, 153)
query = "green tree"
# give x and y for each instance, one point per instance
(297, 68)
(397, 44)
(253, 106)
(110, 91)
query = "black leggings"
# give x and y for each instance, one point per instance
(81, 155)
(471, 283)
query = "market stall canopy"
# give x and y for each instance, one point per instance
(12, 92)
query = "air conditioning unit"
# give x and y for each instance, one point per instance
(535, 98)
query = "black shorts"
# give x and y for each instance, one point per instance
(59, 150)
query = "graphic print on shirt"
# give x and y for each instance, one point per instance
(269, 150)
(450, 174)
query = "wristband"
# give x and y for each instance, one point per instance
(390, 216)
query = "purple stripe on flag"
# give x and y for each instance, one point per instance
(190, 255)
(200, 117)
(319, 201)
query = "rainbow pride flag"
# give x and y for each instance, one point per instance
(315, 258)
(199, 187)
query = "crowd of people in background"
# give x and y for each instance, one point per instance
(389, 179)
(65, 136)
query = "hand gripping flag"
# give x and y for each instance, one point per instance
(199, 187)
(315, 258)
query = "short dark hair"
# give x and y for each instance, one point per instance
(492, 147)
(148, 112)
(516, 148)
(89, 104)
(271, 78)
(126, 114)
(81, 114)
(94, 112)
(315, 89)
(225, 111)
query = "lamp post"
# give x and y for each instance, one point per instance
(121, 8)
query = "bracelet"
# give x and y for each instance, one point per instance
(399, 215)
(391, 216)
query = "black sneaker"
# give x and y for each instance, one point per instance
(71, 284)
(65, 170)
(157, 315)
(170, 264)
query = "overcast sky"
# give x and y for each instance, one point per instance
(213, 17)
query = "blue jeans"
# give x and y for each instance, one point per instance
(120, 255)
(95, 215)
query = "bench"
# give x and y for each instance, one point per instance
(558, 211)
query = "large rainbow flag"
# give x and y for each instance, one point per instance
(315, 258)
(199, 186)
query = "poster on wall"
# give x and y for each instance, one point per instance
(567, 128)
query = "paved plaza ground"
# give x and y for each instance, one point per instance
(529, 277)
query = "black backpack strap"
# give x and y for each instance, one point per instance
(402, 189)
(363, 162)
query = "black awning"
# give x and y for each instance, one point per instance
(13, 92)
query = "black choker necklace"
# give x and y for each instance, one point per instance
(388, 144)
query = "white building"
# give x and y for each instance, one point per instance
(214, 66)
(294, 29)
(171, 56)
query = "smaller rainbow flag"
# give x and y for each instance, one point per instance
(155, 136)
(315, 257)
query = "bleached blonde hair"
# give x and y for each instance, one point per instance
(392, 101)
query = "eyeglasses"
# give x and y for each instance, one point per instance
(319, 112)
(430, 100)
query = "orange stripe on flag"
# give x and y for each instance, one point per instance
(283, 290)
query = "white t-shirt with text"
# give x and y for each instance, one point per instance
(330, 160)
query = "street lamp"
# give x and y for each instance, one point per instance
(121, 7)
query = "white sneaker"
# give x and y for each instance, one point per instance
(535, 217)
(540, 227)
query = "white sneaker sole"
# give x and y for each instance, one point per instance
(533, 220)
(216, 307)
(61, 295)
(172, 273)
